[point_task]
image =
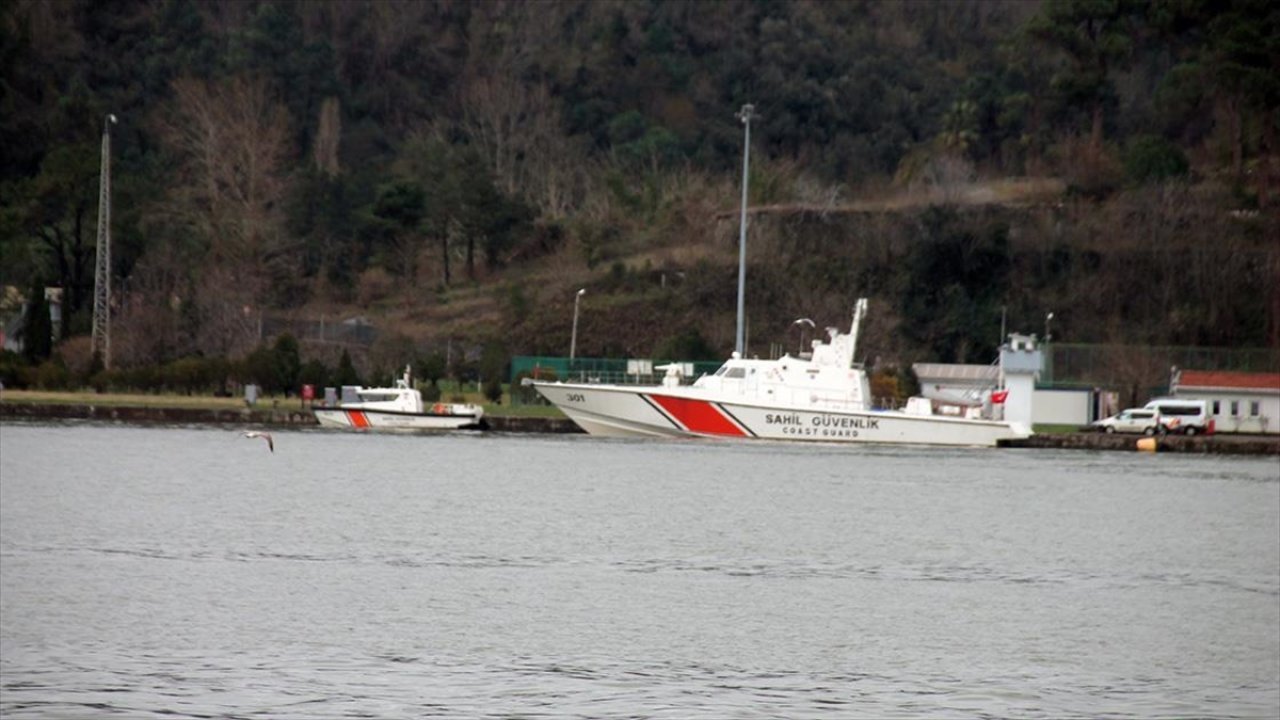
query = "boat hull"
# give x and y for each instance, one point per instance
(386, 420)
(642, 411)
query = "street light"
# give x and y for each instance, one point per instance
(1047, 336)
(745, 115)
(803, 323)
(573, 339)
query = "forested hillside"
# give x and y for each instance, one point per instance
(453, 172)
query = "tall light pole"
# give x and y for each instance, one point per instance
(803, 323)
(101, 339)
(573, 339)
(745, 115)
(1047, 336)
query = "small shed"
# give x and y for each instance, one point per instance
(1238, 401)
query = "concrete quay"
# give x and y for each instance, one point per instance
(1223, 444)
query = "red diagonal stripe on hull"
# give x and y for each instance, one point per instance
(358, 418)
(698, 416)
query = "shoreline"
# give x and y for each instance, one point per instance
(299, 418)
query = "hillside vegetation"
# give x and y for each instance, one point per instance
(453, 173)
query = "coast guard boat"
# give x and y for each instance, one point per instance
(398, 408)
(823, 398)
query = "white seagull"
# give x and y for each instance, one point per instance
(265, 436)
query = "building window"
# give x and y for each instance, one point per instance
(1217, 407)
(1253, 408)
(1235, 407)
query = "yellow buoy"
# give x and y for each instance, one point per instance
(1149, 444)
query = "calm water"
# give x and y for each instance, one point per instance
(192, 573)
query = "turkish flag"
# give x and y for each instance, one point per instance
(999, 396)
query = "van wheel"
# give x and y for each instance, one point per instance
(1110, 430)
(1190, 431)
(1149, 431)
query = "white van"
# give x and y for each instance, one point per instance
(1133, 420)
(1189, 417)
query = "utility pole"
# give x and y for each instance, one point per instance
(745, 115)
(101, 340)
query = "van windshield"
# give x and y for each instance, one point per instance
(1178, 410)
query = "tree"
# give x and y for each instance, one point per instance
(346, 373)
(488, 217)
(37, 333)
(57, 209)
(1242, 52)
(1097, 36)
(314, 373)
(232, 142)
(398, 215)
(287, 363)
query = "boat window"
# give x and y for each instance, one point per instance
(721, 370)
(735, 373)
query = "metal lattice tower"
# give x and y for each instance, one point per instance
(101, 341)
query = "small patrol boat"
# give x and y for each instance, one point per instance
(398, 408)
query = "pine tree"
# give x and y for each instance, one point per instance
(37, 334)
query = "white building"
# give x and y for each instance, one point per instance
(1238, 402)
(1022, 361)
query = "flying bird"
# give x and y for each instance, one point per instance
(265, 436)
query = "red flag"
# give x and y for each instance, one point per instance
(999, 396)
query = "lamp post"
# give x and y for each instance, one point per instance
(745, 115)
(573, 339)
(803, 323)
(1047, 336)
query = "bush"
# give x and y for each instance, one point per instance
(13, 371)
(493, 390)
(1151, 158)
(52, 375)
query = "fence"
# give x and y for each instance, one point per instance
(602, 370)
(351, 332)
(1078, 364)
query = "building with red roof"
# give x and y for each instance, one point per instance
(1237, 401)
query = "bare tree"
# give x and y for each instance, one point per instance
(232, 143)
(327, 136)
(510, 112)
(232, 140)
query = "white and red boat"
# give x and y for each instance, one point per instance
(823, 398)
(398, 408)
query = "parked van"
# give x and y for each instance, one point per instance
(1133, 420)
(1189, 417)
